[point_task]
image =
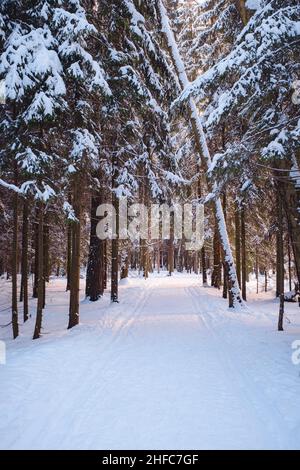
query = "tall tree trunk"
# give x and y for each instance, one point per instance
(216, 273)
(69, 255)
(94, 281)
(266, 280)
(36, 258)
(46, 260)
(203, 265)
(244, 254)
(171, 247)
(289, 262)
(14, 267)
(280, 251)
(75, 260)
(281, 312)
(225, 281)
(25, 261)
(40, 300)
(114, 293)
(204, 153)
(237, 220)
(114, 296)
(104, 254)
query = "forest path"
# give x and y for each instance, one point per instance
(168, 367)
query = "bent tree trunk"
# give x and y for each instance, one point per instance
(204, 154)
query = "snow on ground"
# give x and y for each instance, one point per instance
(169, 367)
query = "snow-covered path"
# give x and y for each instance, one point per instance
(168, 367)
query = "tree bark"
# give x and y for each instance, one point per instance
(114, 292)
(203, 265)
(244, 254)
(104, 252)
(40, 288)
(216, 273)
(171, 247)
(125, 267)
(46, 260)
(94, 275)
(69, 255)
(281, 312)
(14, 267)
(280, 251)
(36, 258)
(237, 220)
(75, 259)
(25, 261)
(289, 262)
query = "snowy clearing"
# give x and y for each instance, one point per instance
(170, 367)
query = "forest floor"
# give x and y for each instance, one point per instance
(169, 367)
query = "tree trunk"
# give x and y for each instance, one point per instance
(69, 255)
(25, 261)
(114, 293)
(46, 261)
(40, 289)
(238, 242)
(244, 254)
(203, 265)
(171, 247)
(104, 252)
(280, 251)
(36, 258)
(266, 280)
(281, 312)
(14, 267)
(75, 259)
(125, 267)
(204, 154)
(289, 262)
(94, 275)
(225, 278)
(216, 273)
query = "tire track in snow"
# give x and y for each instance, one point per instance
(109, 354)
(67, 377)
(269, 415)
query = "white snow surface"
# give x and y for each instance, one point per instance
(169, 367)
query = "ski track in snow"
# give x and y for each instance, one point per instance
(168, 367)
